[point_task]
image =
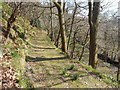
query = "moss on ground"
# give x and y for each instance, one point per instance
(18, 53)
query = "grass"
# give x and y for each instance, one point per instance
(6, 8)
(71, 67)
(64, 72)
(107, 79)
(18, 63)
(75, 76)
(66, 69)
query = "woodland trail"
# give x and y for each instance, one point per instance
(48, 67)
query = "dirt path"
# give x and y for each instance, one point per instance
(48, 67)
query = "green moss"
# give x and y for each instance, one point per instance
(4, 22)
(6, 8)
(107, 79)
(19, 65)
(24, 82)
(18, 54)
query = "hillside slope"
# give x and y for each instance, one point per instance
(46, 65)
(13, 62)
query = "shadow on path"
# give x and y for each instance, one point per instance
(41, 47)
(64, 81)
(32, 59)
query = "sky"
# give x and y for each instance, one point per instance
(111, 8)
(113, 4)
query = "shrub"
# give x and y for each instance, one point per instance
(71, 67)
(75, 76)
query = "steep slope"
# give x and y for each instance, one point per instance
(13, 62)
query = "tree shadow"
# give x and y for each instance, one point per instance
(108, 60)
(64, 81)
(37, 39)
(58, 83)
(93, 73)
(35, 59)
(41, 47)
(38, 50)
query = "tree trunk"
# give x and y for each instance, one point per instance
(57, 40)
(62, 26)
(93, 22)
(51, 33)
(85, 42)
(12, 19)
(73, 47)
(106, 50)
(71, 25)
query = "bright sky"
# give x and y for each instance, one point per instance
(112, 8)
(113, 4)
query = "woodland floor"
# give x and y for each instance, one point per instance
(48, 67)
(0, 60)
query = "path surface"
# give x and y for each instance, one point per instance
(46, 64)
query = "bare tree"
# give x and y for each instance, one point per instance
(51, 34)
(62, 26)
(84, 44)
(93, 22)
(71, 27)
(12, 19)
